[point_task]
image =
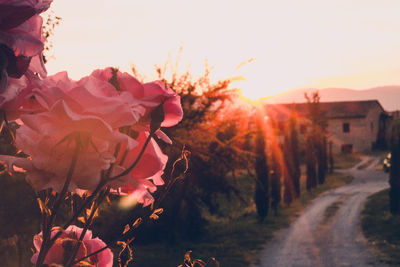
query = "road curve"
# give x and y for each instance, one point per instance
(338, 241)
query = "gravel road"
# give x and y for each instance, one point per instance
(337, 241)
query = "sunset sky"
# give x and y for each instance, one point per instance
(291, 44)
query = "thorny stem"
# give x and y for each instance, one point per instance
(46, 245)
(103, 181)
(91, 254)
(84, 204)
(167, 189)
(86, 226)
(87, 201)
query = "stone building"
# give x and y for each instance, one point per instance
(352, 126)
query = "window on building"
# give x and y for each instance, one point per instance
(347, 148)
(346, 127)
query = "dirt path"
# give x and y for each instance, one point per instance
(314, 240)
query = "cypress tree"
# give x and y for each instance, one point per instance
(322, 158)
(275, 177)
(311, 179)
(275, 168)
(288, 186)
(291, 170)
(394, 179)
(294, 154)
(261, 196)
(318, 141)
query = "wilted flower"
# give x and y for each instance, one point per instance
(63, 247)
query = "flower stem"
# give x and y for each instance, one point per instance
(86, 226)
(47, 242)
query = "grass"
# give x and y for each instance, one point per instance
(346, 161)
(236, 238)
(381, 228)
(331, 211)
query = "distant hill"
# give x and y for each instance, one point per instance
(388, 96)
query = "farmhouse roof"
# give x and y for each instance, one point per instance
(332, 110)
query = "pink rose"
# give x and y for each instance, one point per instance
(41, 137)
(21, 46)
(150, 95)
(63, 246)
(89, 96)
(142, 99)
(146, 176)
(21, 36)
(102, 115)
(18, 94)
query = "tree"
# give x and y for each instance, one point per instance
(261, 196)
(317, 137)
(275, 167)
(311, 178)
(212, 142)
(394, 179)
(292, 159)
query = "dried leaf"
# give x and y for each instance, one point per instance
(81, 219)
(89, 211)
(130, 240)
(43, 207)
(199, 262)
(154, 216)
(127, 228)
(187, 256)
(158, 211)
(137, 223)
(124, 246)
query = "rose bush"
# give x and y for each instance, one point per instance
(92, 137)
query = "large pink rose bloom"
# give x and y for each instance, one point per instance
(58, 253)
(66, 110)
(103, 115)
(128, 105)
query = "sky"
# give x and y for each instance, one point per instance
(287, 44)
